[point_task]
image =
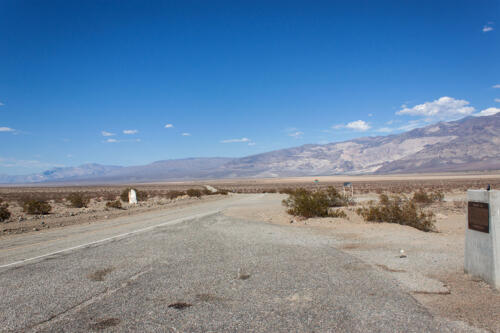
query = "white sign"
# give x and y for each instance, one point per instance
(132, 197)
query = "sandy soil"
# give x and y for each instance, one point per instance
(432, 269)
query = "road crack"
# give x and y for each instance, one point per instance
(77, 307)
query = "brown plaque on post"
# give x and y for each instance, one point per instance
(479, 216)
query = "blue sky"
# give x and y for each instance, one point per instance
(99, 81)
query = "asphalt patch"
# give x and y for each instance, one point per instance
(100, 275)
(104, 323)
(179, 305)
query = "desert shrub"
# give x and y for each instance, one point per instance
(269, 190)
(339, 213)
(110, 196)
(78, 200)
(302, 202)
(140, 195)
(286, 190)
(114, 204)
(422, 197)
(174, 194)
(222, 191)
(4, 212)
(398, 209)
(37, 207)
(192, 192)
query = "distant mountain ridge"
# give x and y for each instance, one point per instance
(469, 144)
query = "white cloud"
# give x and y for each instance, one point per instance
(296, 134)
(104, 133)
(358, 125)
(169, 126)
(496, 86)
(7, 129)
(251, 143)
(236, 140)
(111, 140)
(186, 134)
(338, 126)
(487, 28)
(1, 104)
(444, 108)
(134, 131)
(487, 112)
(497, 100)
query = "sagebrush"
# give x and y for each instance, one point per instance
(4, 212)
(117, 204)
(192, 192)
(306, 203)
(78, 200)
(37, 207)
(398, 209)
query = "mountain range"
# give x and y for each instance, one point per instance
(469, 144)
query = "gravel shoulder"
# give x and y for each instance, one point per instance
(432, 270)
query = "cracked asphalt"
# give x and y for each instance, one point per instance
(196, 270)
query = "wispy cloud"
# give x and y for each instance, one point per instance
(7, 129)
(169, 125)
(497, 100)
(487, 28)
(186, 134)
(496, 86)
(444, 108)
(1, 104)
(105, 133)
(111, 140)
(386, 130)
(296, 134)
(236, 140)
(358, 125)
(487, 112)
(130, 132)
(8, 162)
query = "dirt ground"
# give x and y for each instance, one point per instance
(63, 215)
(431, 268)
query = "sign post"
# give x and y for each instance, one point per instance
(482, 237)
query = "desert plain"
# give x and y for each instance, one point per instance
(427, 266)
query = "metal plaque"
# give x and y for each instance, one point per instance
(479, 216)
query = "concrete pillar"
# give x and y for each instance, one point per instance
(132, 197)
(482, 236)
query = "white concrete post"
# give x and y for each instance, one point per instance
(132, 197)
(482, 236)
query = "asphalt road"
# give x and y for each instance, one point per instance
(196, 270)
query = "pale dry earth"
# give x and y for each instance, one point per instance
(432, 270)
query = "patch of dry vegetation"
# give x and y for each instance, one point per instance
(78, 200)
(192, 192)
(306, 203)
(36, 207)
(423, 197)
(4, 211)
(117, 204)
(398, 209)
